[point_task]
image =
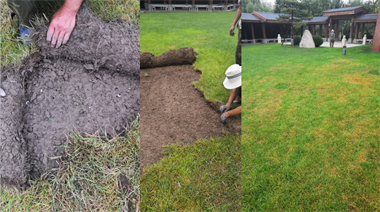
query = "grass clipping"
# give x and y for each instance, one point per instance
(97, 172)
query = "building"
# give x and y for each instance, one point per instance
(263, 27)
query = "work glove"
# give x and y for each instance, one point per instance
(224, 108)
(25, 35)
(223, 118)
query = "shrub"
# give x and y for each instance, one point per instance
(297, 40)
(317, 40)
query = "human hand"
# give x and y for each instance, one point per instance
(224, 108)
(232, 31)
(61, 26)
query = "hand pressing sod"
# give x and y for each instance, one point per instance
(63, 23)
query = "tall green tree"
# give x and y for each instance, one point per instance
(277, 6)
(294, 11)
(316, 7)
(248, 6)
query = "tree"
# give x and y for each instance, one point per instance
(316, 7)
(250, 7)
(337, 4)
(277, 6)
(294, 11)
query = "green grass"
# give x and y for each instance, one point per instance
(87, 178)
(207, 33)
(126, 10)
(204, 176)
(310, 138)
(11, 50)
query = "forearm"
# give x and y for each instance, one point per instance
(234, 112)
(237, 16)
(232, 96)
(73, 5)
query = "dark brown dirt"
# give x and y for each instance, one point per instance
(182, 56)
(175, 112)
(113, 45)
(80, 87)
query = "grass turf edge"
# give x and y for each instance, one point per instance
(88, 177)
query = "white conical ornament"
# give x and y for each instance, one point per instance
(2, 93)
(365, 39)
(278, 38)
(344, 41)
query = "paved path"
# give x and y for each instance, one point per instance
(337, 44)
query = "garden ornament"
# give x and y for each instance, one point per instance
(2, 93)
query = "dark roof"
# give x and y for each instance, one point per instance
(249, 17)
(317, 19)
(366, 17)
(270, 16)
(340, 9)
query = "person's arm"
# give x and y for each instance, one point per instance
(63, 23)
(236, 19)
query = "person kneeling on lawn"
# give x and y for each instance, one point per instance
(232, 81)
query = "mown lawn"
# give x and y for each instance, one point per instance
(205, 175)
(310, 135)
(207, 33)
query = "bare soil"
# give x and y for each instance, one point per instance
(174, 111)
(89, 85)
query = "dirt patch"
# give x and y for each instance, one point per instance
(89, 85)
(112, 45)
(175, 112)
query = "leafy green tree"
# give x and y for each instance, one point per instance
(277, 6)
(250, 7)
(316, 7)
(294, 11)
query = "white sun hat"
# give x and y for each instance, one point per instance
(233, 77)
